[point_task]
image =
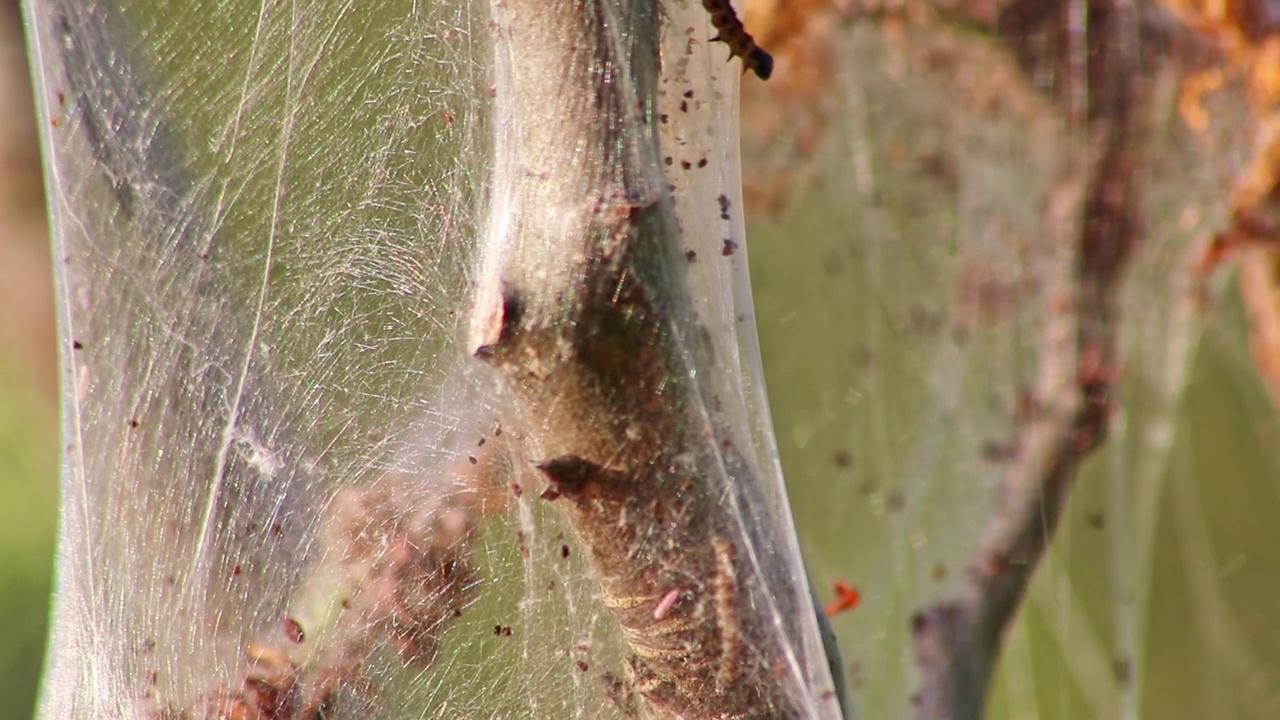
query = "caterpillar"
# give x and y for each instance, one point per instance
(730, 32)
(723, 582)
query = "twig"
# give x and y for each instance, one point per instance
(957, 641)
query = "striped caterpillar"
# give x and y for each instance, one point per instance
(731, 33)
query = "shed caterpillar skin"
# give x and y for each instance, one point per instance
(731, 33)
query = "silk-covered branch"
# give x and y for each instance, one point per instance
(583, 311)
(958, 640)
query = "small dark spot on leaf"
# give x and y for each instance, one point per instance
(832, 263)
(564, 551)
(940, 168)
(1122, 670)
(842, 458)
(691, 256)
(999, 451)
(855, 675)
(924, 320)
(730, 247)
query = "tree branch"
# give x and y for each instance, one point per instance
(957, 641)
(584, 313)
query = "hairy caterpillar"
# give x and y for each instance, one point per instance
(731, 33)
(726, 600)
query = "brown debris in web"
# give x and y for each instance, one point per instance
(397, 568)
(273, 688)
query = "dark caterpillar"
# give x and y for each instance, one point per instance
(731, 33)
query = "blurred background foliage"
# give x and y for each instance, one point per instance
(904, 168)
(862, 333)
(28, 384)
